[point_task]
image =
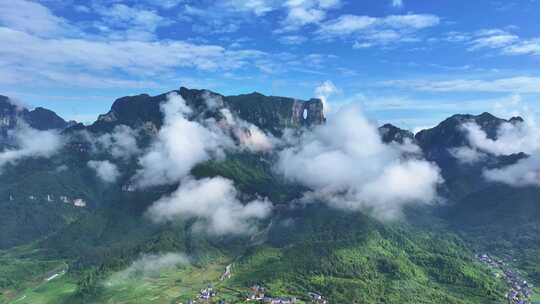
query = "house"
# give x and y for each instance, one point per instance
(79, 202)
(257, 293)
(317, 298)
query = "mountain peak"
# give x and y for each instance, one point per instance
(390, 133)
(39, 118)
(270, 113)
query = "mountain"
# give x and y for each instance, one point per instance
(270, 113)
(391, 133)
(349, 257)
(38, 118)
(437, 142)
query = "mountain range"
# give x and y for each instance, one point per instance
(82, 214)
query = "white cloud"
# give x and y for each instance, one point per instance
(521, 84)
(149, 265)
(183, 143)
(105, 170)
(120, 143)
(30, 143)
(397, 3)
(214, 202)
(257, 7)
(292, 39)
(493, 41)
(179, 146)
(347, 166)
(136, 23)
(512, 138)
(370, 31)
(467, 155)
(346, 25)
(166, 4)
(524, 47)
(525, 172)
(504, 41)
(324, 91)
(249, 135)
(130, 56)
(31, 17)
(304, 12)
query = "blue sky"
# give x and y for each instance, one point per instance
(409, 62)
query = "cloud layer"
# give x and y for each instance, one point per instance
(347, 165)
(214, 202)
(512, 138)
(184, 142)
(30, 143)
(105, 170)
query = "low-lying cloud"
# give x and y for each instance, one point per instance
(149, 265)
(346, 165)
(30, 143)
(182, 144)
(121, 143)
(512, 138)
(214, 202)
(105, 170)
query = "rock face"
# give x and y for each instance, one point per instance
(270, 113)
(390, 133)
(39, 118)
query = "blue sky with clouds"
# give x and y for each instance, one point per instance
(409, 62)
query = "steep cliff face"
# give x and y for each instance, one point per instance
(270, 113)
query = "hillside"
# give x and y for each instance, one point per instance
(90, 224)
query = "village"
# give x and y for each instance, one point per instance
(255, 294)
(520, 291)
(76, 202)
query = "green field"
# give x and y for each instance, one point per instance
(536, 295)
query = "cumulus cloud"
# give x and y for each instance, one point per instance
(149, 265)
(324, 91)
(512, 138)
(105, 170)
(180, 145)
(30, 143)
(347, 165)
(183, 142)
(214, 202)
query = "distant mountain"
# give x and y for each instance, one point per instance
(347, 256)
(39, 118)
(270, 113)
(437, 141)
